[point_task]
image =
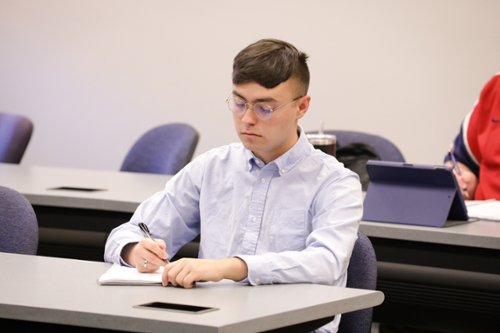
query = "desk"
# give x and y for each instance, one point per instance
(64, 291)
(443, 278)
(76, 223)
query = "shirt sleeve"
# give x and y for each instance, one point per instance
(337, 212)
(472, 146)
(460, 148)
(171, 215)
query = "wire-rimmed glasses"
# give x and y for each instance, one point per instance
(262, 110)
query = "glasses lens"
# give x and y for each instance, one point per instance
(236, 105)
(263, 111)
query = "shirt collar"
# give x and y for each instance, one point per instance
(288, 160)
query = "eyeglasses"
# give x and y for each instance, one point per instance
(262, 110)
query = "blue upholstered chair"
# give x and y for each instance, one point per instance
(18, 223)
(383, 147)
(15, 134)
(361, 274)
(165, 149)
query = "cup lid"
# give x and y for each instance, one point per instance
(321, 139)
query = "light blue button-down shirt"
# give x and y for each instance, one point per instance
(293, 220)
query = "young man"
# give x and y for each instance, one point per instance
(477, 147)
(270, 209)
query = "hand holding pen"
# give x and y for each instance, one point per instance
(147, 233)
(457, 169)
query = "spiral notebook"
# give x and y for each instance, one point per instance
(122, 275)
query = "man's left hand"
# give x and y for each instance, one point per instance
(184, 272)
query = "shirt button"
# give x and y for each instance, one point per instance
(263, 180)
(283, 170)
(257, 161)
(257, 280)
(254, 219)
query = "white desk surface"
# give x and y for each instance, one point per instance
(65, 291)
(121, 191)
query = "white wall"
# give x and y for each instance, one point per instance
(94, 75)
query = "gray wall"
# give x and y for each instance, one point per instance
(94, 75)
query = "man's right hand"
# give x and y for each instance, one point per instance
(136, 254)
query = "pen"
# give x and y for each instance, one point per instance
(146, 232)
(457, 170)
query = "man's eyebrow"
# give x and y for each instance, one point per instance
(238, 95)
(266, 99)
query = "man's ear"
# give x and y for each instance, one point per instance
(303, 106)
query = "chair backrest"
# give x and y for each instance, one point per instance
(15, 134)
(383, 147)
(361, 274)
(18, 223)
(165, 149)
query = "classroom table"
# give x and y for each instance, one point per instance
(76, 209)
(434, 277)
(438, 278)
(56, 294)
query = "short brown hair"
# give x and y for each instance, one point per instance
(270, 62)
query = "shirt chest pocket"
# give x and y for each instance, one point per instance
(288, 230)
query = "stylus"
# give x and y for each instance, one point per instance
(457, 170)
(146, 232)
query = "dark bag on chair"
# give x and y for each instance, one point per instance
(354, 156)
